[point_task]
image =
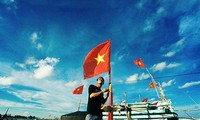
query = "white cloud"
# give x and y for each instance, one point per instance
(189, 84)
(167, 84)
(163, 65)
(46, 94)
(21, 65)
(71, 83)
(7, 81)
(121, 53)
(143, 76)
(8, 104)
(31, 61)
(134, 78)
(161, 11)
(26, 114)
(172, 65)
(34, 37)
(170, 54)
(47, 61)
(159, 66)
(120, 57)
(43, 71)
(176, 47)
(120, 81)
(39, 46)
(148, 25)
(189, 28)
(45, 68)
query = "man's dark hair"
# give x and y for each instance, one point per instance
(101, 78)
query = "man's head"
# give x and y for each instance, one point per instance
(100, 81)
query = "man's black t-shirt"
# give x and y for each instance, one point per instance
(94, 104)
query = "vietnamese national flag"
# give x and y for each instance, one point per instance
(145, 100)
(78, 90)
(151, 85)
(139, 63)
(97, 60)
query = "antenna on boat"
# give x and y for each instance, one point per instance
(125, 96)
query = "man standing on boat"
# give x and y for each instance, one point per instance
(95, 100)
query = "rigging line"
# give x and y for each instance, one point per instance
(193, 100)
(178, 75)
(188, 115)
(171, 76)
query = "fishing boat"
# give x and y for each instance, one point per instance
(160, 109)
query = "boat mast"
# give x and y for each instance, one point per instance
(158, 87)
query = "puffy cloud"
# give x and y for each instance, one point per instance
(143, 76)
(176, 47)
(34, 37)
(71, 84)
(45, 68)
(31, 61)
(21, 65)
(39, 46)
(134, 78)
(169, 83)
(189, 28)
(163, 65)
(189, 84)
(43, 71)
(7, 81)
(148, 25)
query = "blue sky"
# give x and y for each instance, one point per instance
(43, 45)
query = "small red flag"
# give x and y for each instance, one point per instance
(139, 63)
(145, 100)
(151, 85)
(78, 90)
(97, 60)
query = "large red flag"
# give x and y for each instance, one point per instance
(139, 63)
(78, 90)
(97, 60)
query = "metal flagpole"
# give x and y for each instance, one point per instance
(110, 99)
(79, 104)
(80, 100)
(154, 82)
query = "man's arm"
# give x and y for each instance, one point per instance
(95, 94)
(105, 99)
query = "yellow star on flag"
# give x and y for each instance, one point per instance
(139, 63)
(99, 58)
